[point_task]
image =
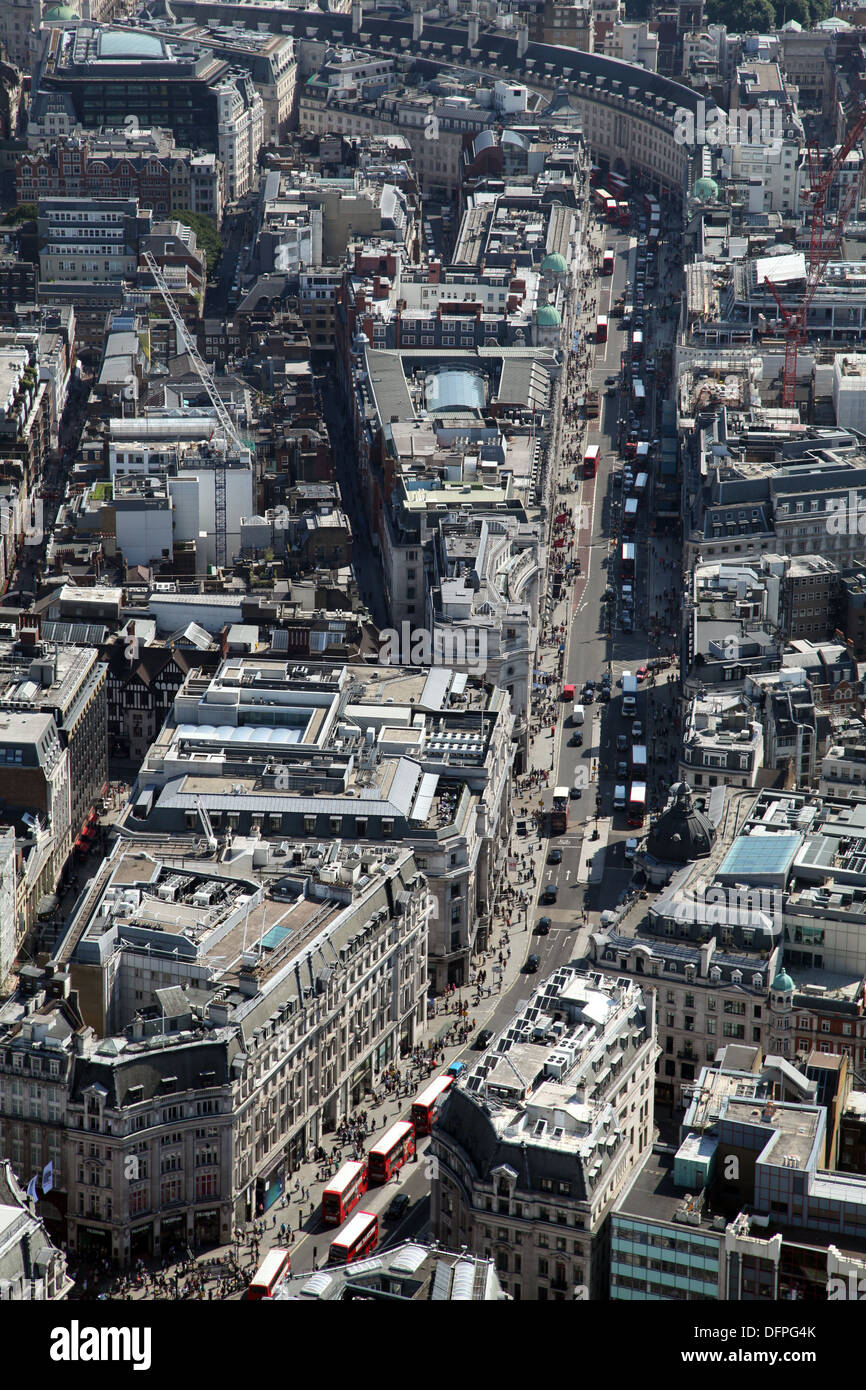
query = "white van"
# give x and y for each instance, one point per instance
(619, 798)
(578, 714)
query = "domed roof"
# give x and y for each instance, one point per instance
(62, 12)
(783, 984)
(682, 832)
(547, 316)
(705, 190)
(555, 264)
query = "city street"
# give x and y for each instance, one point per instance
(581, 639)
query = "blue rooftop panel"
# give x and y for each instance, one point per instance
(130, 46)
(275, 937)
(760, 855)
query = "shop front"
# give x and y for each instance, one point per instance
(141, 1241)
(207, 1227)
(361, 1082)
(172, 1233)
(94, 1243)
(270, 1189)
(297, 1149)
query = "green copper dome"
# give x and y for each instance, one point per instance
(783, 984)
(548, 316)
(62, 12)
(555, 264)
(706, 190)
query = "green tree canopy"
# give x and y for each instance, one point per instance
(25, 212)
(206, 231)
(763, 16)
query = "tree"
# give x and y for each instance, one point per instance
(25, 212)
(206, 232)
(800, 10)
(742, 16)
(819, 9)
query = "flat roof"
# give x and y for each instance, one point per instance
(761, 854)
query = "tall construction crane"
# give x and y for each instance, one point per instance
(823, 242)
(226, 424)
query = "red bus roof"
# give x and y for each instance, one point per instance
(354, 1229)
(270, 1267)
(344, 1178)
(431, 1093)
(392, 1137)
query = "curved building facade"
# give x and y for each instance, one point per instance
(629, 113)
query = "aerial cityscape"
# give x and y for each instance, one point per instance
(432, 652)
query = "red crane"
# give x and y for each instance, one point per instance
(823, 242)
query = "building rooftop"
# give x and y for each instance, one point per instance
(409, 1271)
(653, 1196)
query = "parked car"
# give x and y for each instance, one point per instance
(637, 730)
(642, 672)
(621, 743)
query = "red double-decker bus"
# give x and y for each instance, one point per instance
(607, 262)
(590, 460)
(601, 328)
(394, 1149)
(559, 813)
(426, 1102)
(343, 1193)
(271, 1272)
(357, 1239)
(637, 804)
